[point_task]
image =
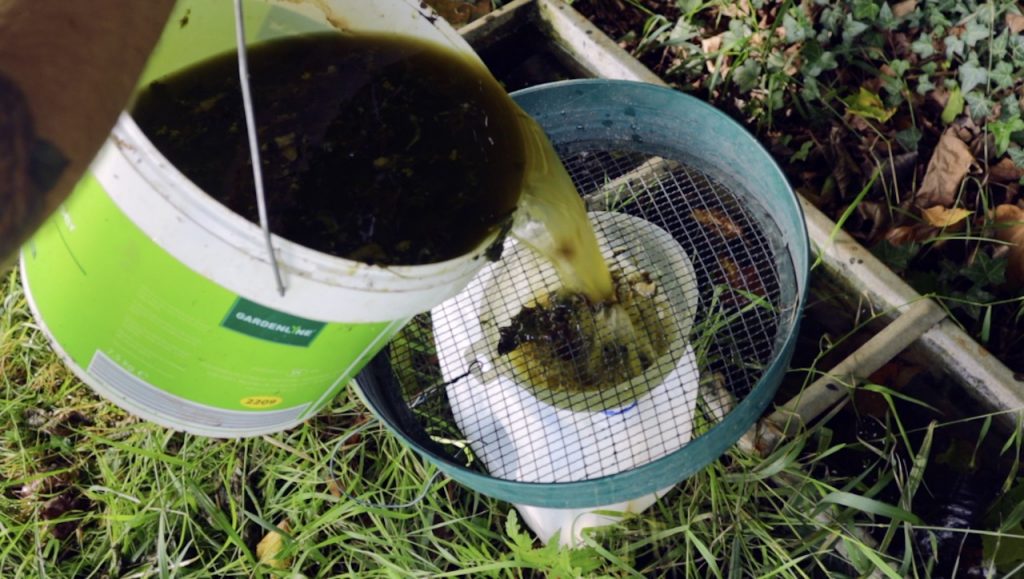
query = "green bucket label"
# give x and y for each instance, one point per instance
(252, 319)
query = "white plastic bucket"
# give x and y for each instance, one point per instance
(506, 422)
(163, 300)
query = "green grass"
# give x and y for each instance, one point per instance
(89, 491)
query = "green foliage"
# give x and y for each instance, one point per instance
(1003, 130)
(551, 559)
(897, 257)
(954, 106)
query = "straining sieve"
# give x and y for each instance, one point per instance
(687, 201)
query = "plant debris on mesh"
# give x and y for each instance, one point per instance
(901, 120)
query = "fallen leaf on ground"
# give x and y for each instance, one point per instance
(1015, 22)
(270, 546)
(460, 12)
(939, 216)
(1005, 171)
(736, 9)
(46, 484)
(711, 46)
(743, 280)
(946, 169)
(334, 488)
(865, 103)
(953, 107)
(901, 9)
(1010, 229)
(872, 216)
(903, 234)
(718, 222)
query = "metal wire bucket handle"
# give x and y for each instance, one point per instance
(254, 146)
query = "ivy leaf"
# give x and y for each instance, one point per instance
(997, 48)
(865, 10)
(1016, 153)
(899, 67)
(852, 29)
(1002, 75)
(1011, 106)
(922, 46)
(746, 75)
(825, 61)
(810, 90)
(924, 85)
(689, 6)
(795, 30)
(682, 32)
(979, 104)
(973, 32)
(971, 75)
(909, 138)
(1003, 130)
(936, 17)
(737, 36)
(984, 271)
(954, 106)
(828, 22)
(801, 155)
(897, 257)
(976, 298)
(954, 47)
(865, 103)
(885, 19)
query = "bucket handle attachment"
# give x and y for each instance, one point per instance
(254, 148)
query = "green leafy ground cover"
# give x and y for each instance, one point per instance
(901, 120)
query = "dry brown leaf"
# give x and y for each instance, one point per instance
(718, 222)
(269, 547)
(711, 43)
(736, 9)
(460, 12)
(711, 46)
(946, 169)
(1005, 171)
(872, 217)
(901, 9)
(1015, 22)
(939, 216)
(1010, 229)
(792, 54)
(903, 234)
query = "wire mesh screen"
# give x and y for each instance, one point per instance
(700, 266)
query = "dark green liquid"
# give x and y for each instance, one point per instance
(382, 149)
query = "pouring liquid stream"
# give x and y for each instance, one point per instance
(610, 335)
